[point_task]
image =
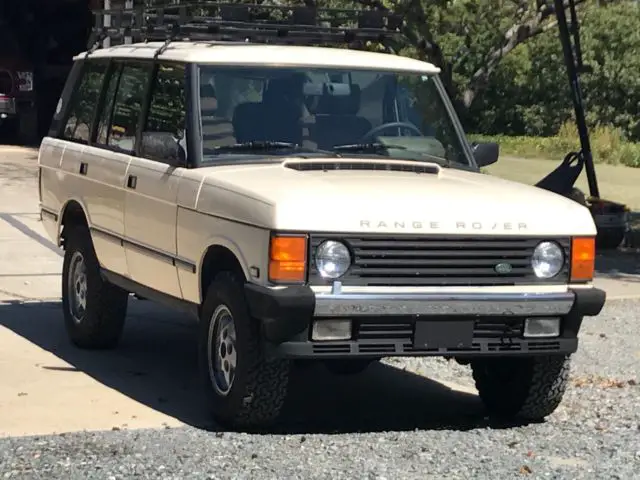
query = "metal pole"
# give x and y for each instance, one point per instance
(574, 83)
(106, 43)
(128, 5)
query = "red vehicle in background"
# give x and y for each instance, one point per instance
(18, 113)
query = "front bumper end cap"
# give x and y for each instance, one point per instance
(283, 313)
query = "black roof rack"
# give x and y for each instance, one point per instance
(252, 23)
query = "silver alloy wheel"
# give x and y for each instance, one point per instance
(77, 287)
(221, 350)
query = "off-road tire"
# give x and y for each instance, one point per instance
(526, 389)
(106, 304)
(348, 367)
(259, 389)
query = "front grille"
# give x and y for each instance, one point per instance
(437, 261)
(6, 83)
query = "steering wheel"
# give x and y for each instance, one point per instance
(385, 126)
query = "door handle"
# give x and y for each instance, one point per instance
(83, 168)
(132, 181)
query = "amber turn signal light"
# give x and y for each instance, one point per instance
(287, 259)
(583, 257)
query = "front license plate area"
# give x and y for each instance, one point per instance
(443, 334)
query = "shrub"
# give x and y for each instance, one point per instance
(608, 145)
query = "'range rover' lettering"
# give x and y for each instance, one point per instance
(436, 225)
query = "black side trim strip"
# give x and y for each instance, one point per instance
(149, 293)
(144, 249)
(49, 213)
(162, 256)
(184, 264)
(106, 234)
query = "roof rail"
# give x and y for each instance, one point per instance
(248, 23)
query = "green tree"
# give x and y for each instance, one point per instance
(528, 93)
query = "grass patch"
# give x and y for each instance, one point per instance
(608, 145)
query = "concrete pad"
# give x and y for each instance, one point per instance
(42, 394)
(618, 289)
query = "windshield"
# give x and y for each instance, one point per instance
(257, 112)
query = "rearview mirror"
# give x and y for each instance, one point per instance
(486, 153)
(164, 147)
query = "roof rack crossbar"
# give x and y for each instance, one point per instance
(238, 35)
(223, 22)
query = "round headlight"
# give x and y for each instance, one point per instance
(548, 259)
(332, 259)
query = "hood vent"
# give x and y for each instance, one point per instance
(350, 164)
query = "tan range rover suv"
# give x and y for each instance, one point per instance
(307, 204)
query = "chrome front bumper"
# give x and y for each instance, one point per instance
(341, 304)
(286, 313)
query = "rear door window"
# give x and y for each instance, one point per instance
(168, 107)
(127, 107)
(104, 119)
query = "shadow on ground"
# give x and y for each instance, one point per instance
(156, 365)
(624, 262)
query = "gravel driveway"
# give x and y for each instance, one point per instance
(390, 424)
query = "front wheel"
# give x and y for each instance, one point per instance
(522, 388)
(243, 389)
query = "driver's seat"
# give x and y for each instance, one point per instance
(337, 121)
(332, 130)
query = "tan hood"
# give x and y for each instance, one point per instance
(450, 201)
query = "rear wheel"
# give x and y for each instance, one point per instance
(94, 309)
(522, 388)
(244, 389)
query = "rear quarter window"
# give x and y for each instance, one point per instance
(84, 100)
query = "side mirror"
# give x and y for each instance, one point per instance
(164, 147)
(486, 153)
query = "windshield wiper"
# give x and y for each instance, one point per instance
(266, 146)
(366, 147)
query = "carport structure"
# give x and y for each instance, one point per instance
(47, 34)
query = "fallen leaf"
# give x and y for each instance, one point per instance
(525, 470)
(601, 382)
